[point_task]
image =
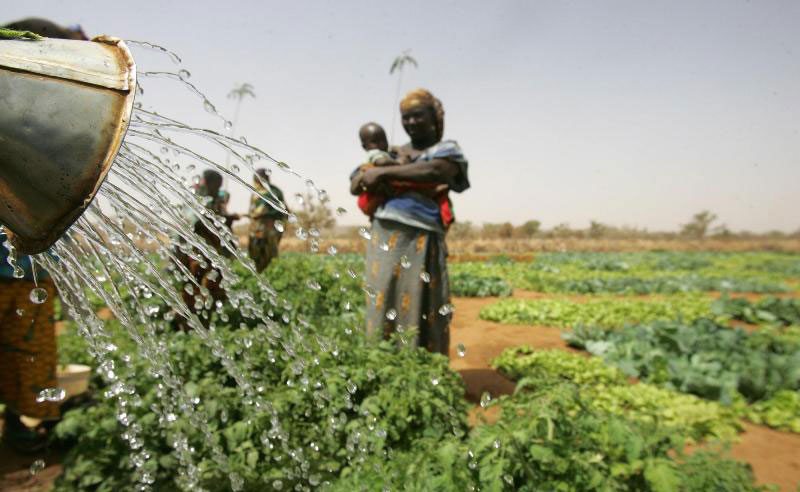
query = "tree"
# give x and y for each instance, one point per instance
(699, 225)
(529, 228)
(597, 229)
(238, 93)
(398, 65)
(502, 230)
(315, 215)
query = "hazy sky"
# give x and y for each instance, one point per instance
(628, 112)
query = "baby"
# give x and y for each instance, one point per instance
(373, 140)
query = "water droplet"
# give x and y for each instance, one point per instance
(435, 381)
(18, 272)
(322, 196)
(391, 314)
(332, 250)
(209, 107)
(508, 479)
(223, 416)
(486, 399)
(425, 277)
(292, 218)
(51, 395)
(446, 309)
(243, 139)
(165, 150)
(301, 234)
(139, 89)
(384, 246)
(461, 350)
(237, 482)
(20, 312)
(351, 387)
(299, 198)
(36, 467)
(405, 262)
(341, 211)
(38, 295)
(279, 226)
(363, 232)
(184, 74)
(313, 285)
(496, 444)
(277, 485)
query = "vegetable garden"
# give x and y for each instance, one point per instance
(666, 353)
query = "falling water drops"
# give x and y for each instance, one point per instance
(184, 74)
(36, 467)
(486, 399)
(279, 226)
(461, 350)
(405, 262)
(363, 232)
(341, 211)
(51, 395)
(446, 309)
(425, 277)
(38, 295)
(391, 314)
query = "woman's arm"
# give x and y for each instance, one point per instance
(436, 171)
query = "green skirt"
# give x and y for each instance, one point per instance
(407, 285)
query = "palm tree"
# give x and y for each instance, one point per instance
(398, 65)
(238, 93)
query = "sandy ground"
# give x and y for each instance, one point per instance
(774, 455)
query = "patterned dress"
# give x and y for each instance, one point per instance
(263, 241)
(407, 282)
(27, 342)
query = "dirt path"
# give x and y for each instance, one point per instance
(774, 455)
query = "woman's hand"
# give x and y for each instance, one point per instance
(372, 178)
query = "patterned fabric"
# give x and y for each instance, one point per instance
(262, 215)
(264, 239)
(27, 349)
(262, 250)
(420, 210)
(398, 257)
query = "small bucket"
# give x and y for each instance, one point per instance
(64, 110)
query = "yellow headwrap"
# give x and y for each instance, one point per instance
(422, 97)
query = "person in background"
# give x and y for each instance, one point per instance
(263, 237)
(48, 29)
(28, 356)
(406, 256)
(210, 193)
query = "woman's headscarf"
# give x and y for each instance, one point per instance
(422, 97)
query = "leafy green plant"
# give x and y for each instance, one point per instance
(769, 310)
(605, 312)
(607, 389)
(704, 358)
(465, 284)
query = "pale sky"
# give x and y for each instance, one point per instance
(627, 112)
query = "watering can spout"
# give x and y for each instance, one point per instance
(64, 110)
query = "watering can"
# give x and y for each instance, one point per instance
(64, 110)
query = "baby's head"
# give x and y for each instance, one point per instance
(373, 137)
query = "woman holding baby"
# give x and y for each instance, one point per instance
(405, 193)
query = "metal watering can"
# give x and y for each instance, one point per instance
(64, 110)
